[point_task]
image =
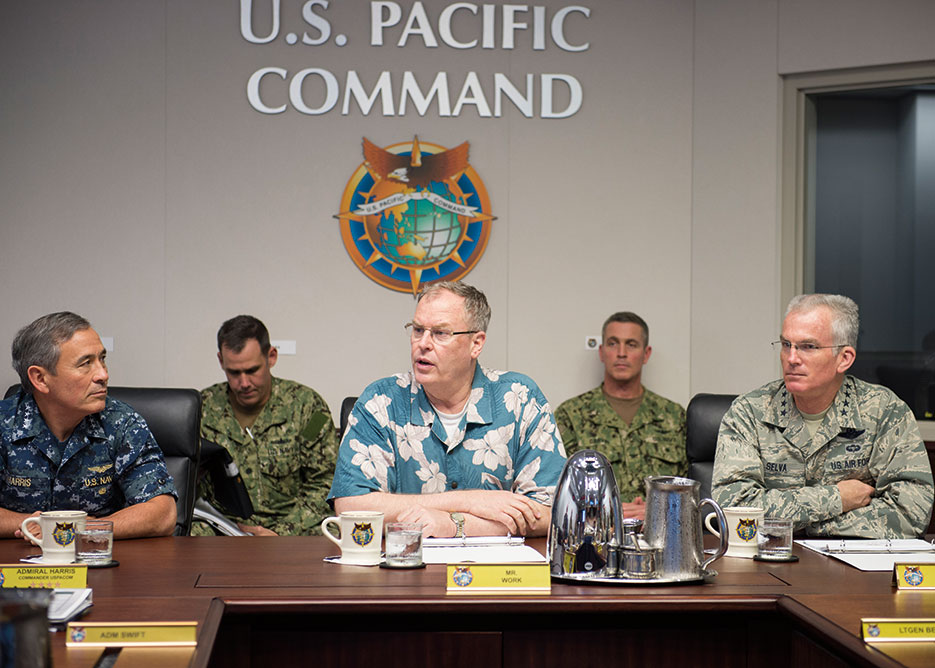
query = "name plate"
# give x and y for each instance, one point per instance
(140, 634)
(914, 576)
(897, 630)
(65, 576)
(532, 578)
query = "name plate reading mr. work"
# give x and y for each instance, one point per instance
(64, 576)
(914, 576)
(140, 634)
(897, 630)
(498, 578)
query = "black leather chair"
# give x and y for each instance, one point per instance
(702, 421)
(346, 407)
(174, 417)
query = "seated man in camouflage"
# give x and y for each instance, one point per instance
(837, 455)
(641, 433)
(65, 445)
(279, 433)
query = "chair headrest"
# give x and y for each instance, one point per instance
(702, 422)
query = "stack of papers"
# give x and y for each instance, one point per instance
(67, 604)
(479, 550)
(874, 555)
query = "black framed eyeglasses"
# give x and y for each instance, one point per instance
(442, 336)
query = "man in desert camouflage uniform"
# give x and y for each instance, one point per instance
(837, 455)
(279, 433)
(641, 433)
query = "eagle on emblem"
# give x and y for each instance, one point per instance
(417, 169)
(746, 530)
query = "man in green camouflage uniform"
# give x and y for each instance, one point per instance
(279, 433)
(837, 455)
(641, 433)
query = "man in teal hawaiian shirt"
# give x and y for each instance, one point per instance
(462, 449)
(641, 433)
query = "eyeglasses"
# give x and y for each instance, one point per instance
(440, 336)
(785, 347)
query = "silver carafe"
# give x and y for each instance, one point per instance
(585, 533)
(673, 524)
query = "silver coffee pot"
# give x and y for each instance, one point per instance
(673, 524)
(586, 532)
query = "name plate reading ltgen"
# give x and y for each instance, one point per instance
(474, 578)
(897, 630)
(66, 576)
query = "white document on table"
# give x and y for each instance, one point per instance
(66, 603)
(873, 555)
(479, 550)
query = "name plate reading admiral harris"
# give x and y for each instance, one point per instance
(522, 578)
(64, 576)
(140, 634)
(914, 576)
(897, 630)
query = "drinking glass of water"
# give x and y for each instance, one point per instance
(403, 545)
(94, 543)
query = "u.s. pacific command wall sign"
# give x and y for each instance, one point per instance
(415, 213)
(463, 26)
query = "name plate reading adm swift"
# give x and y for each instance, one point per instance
(64, 576)
(526, 578)
(914, 576)
(140, 634)
(897, 629)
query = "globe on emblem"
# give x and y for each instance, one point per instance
(416, 233)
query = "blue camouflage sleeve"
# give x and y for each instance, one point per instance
(141, 468)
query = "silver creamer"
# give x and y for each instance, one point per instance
(586, 532)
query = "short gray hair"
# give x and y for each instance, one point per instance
(845, 316)
(40, 343)
(475, 303)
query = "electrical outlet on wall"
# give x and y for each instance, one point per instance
(284, 346)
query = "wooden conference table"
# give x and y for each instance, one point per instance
(273, 602)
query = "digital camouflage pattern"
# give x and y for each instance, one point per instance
(288, 462)
(765, 458)
(111, 460)
(653, 443)
(506, 440)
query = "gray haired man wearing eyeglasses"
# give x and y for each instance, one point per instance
(459, 448)
(835, 454)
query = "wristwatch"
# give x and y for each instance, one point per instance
(458, 519)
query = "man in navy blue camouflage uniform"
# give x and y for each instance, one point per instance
(65, 446)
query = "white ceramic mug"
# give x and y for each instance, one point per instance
(743, 524)
(59, 529)
(361, 535)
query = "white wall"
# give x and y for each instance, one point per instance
(138, 187)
